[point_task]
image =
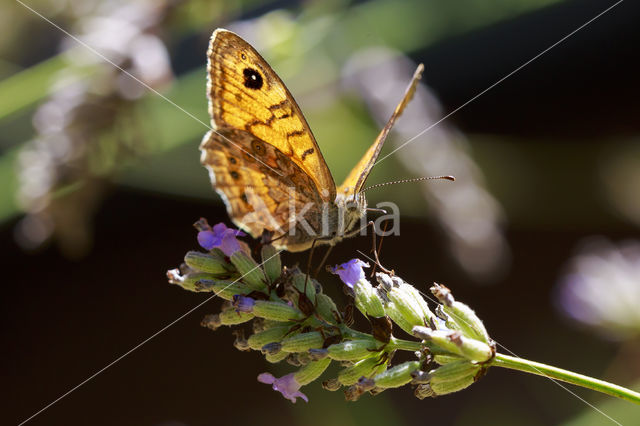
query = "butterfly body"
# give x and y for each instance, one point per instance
(263, 159)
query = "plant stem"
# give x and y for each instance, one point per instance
(544, 370)
(405, 345)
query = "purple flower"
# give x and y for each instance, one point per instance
(350, 272)
(243, 303)
(286, 385)
(221, 237)
(600, 288)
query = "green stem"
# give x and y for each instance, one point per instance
(544, 370)
(405, 345)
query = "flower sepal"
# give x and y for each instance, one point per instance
(191, 280)
(404, 302)
(207, 262)
(352, 350)
(277, 311)
(274, 334)
(222, 288)
(303, 342)
(249, 270)
(397, 376)
(231, 317)
(453, 377)
(465, 318)
(455, 343)
(367, 367)
(271, 262)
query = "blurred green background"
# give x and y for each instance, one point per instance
(100, 182)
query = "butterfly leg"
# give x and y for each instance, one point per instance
(376, 251)
(323, 261)
(306, 279)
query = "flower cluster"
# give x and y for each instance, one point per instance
(292, 320)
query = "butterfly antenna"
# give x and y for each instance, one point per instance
(420, 179)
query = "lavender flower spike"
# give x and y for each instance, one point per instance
(221, 237)
(286, 385)
(350, 272)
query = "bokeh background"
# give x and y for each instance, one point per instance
(100, 182)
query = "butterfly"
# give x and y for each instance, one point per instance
(264, 161)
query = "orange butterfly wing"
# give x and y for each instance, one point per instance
(354, 182)
(246, 94)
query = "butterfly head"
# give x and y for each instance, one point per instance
(352, 208)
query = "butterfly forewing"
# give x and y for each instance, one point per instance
(246, 94)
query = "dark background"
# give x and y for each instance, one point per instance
(63, 320)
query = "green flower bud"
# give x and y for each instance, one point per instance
(396, 315)
(276, 311)
(275, 358)
(448, 321)
(446, 359)
(455, 343)
(311, 371)
(367, 300)
(266, 324)
(189, 280)
(299, 280)
(271, 262)
(232, 317)
(206, 262)
(274, 334)
(352, 350)
(326, 308)
(303, 342)
(397, 376)
(365, 368)
(224, 289)
(475, 350)
(249, 270)
(453, 377)
(454, 371)
(405, 303)
(466, 319)
(470, 325)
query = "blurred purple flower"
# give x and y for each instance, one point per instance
(221, 237)
(601, 289)
(350, 272)
(286, 385)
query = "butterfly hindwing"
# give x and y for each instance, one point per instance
(258, 183)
